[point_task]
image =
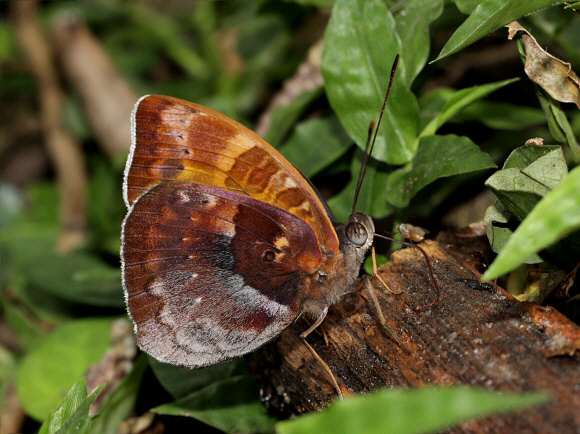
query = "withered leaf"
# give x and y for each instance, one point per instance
(554, 75)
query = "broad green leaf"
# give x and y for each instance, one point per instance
(372, 197)
(460, 99)
(547, 103)
(25, 242)
(467, 6)
(283, 118)
(106, 207)
(44, 203)
(315, 144)
(525, 155)
(490, 15)
(46, 373)
(318, 3)
(121, 402)
(437, 157)
(360, 44)
(412, 25)
(528, 174)
(554, 217)
(72, 417)
(557, 122)
(404, 411)
(501, 116)
(180, 382)
(520, 189)
(80, 278)
(516, 191)
(232, 405)
(23, 324)
(498, 226)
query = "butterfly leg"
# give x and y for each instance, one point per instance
(304, 334)
(373, 294)
(377, 275)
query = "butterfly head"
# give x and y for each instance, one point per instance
(340, 272)
(360, 230)
(356, 238)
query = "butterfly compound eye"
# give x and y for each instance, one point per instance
(357, 233)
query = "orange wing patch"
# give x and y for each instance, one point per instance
(174, 140)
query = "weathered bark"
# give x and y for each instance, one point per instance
(477, 334)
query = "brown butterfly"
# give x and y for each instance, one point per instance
(225, 242)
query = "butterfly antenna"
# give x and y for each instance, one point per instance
(369, 151)
(434, 302)
(361, 174)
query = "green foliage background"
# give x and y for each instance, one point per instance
(436, 146)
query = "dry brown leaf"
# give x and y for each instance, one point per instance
(552, 74)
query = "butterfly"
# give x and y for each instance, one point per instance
(225, 242)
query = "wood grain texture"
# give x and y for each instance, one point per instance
(476, 334)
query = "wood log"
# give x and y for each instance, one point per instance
(477, 334)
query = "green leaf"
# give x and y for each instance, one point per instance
(557, 122)
(501, 116)
(318, 3)
(46, 373)
(521, 188)
(437, 157)
(121, 402)
(498, 226)
(529, 173)
(525, 155)
(360, 44)
(80, 278)
(72, 417)
(232, 405)
(458, 100)
(107, 209)
(283, 118)
(554, 217)
(490, 15)
(372, 197)
(45, 200)
(405, 411)
(180, 382)
(29, 332)
(315, 144)
(467, 6)
(412, 24)
(574, 5)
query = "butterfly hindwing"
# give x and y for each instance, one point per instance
(210, 274)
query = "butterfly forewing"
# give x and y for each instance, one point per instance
(174, 140)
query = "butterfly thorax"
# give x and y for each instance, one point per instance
(338, 273)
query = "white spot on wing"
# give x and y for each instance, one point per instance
(158, 287)
(289, 183)
(183, 196)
